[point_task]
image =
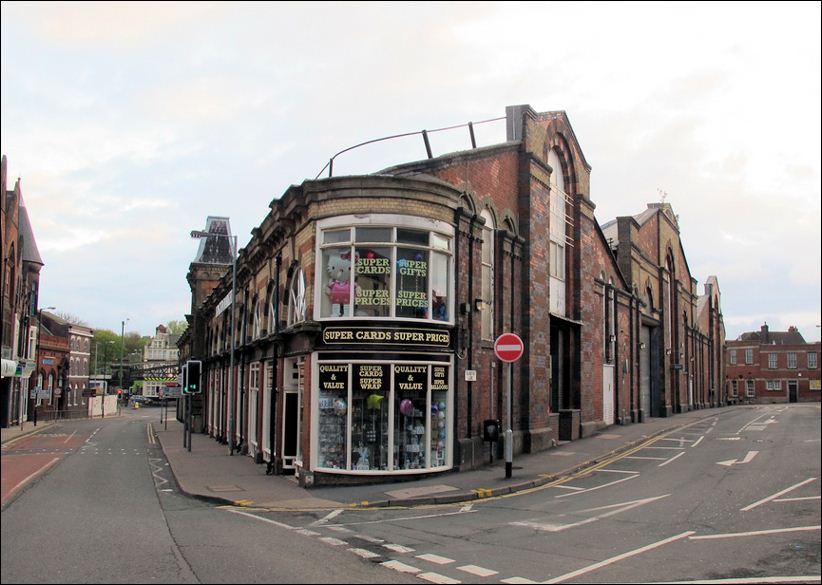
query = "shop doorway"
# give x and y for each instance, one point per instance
(293, 386)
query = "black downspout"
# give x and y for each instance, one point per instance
(272, 426)
(471, 308)
(458, 342)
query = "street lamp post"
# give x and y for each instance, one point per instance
(122, 347)
(197, 234)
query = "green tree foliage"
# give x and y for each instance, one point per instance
(177, 327)
(106, 348)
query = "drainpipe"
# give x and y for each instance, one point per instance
(272, 426)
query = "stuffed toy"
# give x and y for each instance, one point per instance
(339, 284)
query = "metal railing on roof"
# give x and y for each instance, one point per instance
(470, 125)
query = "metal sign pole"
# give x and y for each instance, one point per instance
(509, 433)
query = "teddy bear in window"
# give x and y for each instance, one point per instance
(339, 283)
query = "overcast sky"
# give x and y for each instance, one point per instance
(130, 123)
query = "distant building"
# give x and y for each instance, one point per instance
(79, 339)
(772, 366)
(159, 357)
(20, 280)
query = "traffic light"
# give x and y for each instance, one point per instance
(193, 376)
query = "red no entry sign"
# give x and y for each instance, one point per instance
(509, 347)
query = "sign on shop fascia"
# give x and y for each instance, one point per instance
(437, 338)
(224, 304)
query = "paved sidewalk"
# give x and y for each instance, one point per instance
(209, 472)
(12, 433)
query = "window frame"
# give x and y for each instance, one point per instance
(438, 232)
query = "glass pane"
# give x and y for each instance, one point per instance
(333, 420)
(374, 234)
(412, 283)
(440, 242)
(369, 417)
(439, 416)
(439, 286)
(336, 236)
(410, 395)
(417, 237)
(336, 282)
(372, 293)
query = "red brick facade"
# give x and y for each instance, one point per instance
(772, 366)
(585, 365)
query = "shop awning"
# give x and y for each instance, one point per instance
(9, 368)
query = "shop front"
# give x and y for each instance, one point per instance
(382, 402)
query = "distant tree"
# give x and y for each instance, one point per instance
(177, 327)
(111, 346)
(73, 319)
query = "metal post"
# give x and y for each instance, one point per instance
(509, 434)
(233, 343)
(190, 398)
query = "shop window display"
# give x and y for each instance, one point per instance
(412, 283)
(333, 420)
(373, 282)
(385, 272)
(383, 417)
(410, 398)
(369, 417)
(438, 424)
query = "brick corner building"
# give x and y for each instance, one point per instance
(773, 366)
(366, 309)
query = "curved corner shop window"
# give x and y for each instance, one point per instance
(385, 272)
(384, 417)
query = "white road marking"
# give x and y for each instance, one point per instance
(752, 422)
(798, 499)
(619, 471)
(698, 441)
(398, 548)
(366, 554)
(668, 448)
(729, 438)
(435, 559)
(328, 517)
(674, 458)
(517, 581)
(460, 511)
(255, 517)
(618, 558)
(757, 532)
(568, 487)
(70, 436)
(33, 475)
(599, 487)
(645, 458)
(400, 567)
(333, 541)
(437, 578)
(306, 532)
(477, 571)
(776, 495)
(679, 440)
(619, 508)
(748, 458)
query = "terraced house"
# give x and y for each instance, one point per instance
(366, 307)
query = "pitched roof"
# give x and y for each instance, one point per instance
(30, 251)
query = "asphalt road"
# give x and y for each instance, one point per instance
(733, 497)
(105, 509)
